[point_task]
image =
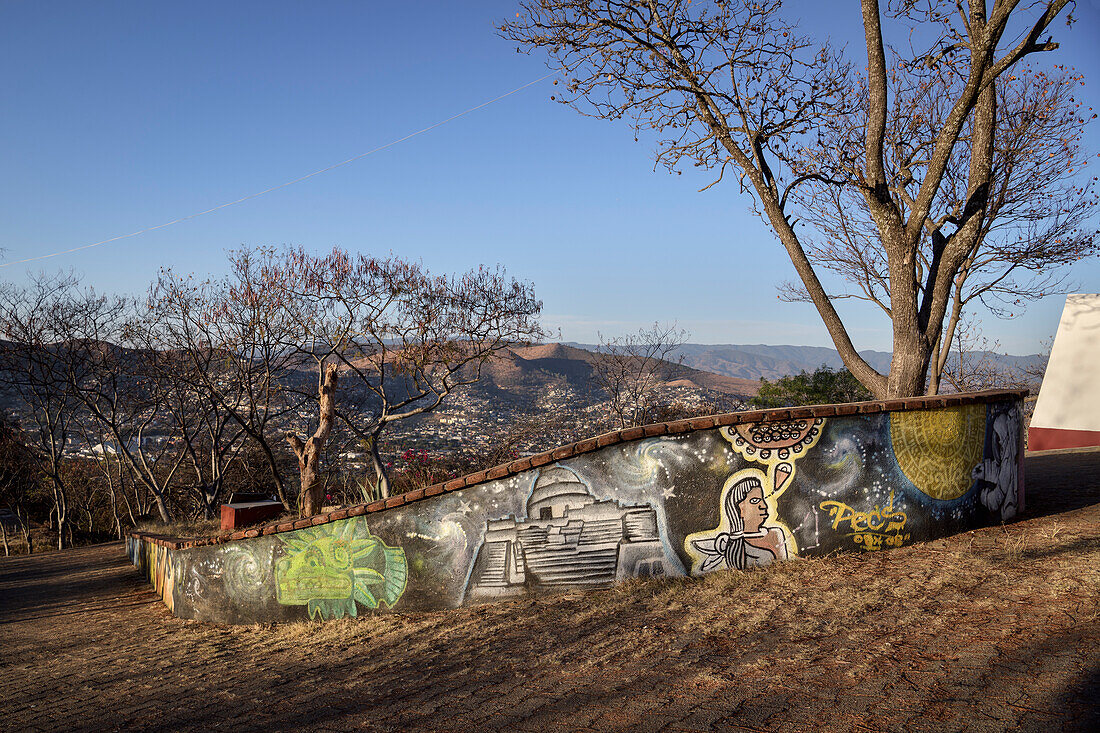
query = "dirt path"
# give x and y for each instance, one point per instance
(997, 629)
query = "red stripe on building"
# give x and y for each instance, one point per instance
(1052, 438)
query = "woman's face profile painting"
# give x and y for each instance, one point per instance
(753, 510)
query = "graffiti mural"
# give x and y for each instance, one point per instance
(744, 537)
(158, 564)
(741, 540)
(331, 568)
(693, 501)
(998, 475)
(873, 530)
(936, 449)
(567, 538)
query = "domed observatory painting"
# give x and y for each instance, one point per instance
(568, 539)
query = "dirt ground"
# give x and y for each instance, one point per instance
(996, 629)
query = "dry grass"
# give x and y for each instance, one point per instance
(191, 528)
(181, 528)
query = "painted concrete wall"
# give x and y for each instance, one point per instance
(1067, 413)
(739, 496)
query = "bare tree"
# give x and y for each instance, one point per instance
(735, 85)
(96, 351)
(974, 364)
(20, 468)
(210, 438)
(1036, 216)
(226, 339)
(309, 451)
(630, 370)
(109, 466)
(31, 359)
(402, 339)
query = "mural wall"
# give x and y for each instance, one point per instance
(736, 497)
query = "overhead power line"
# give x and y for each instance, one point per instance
(326, 169)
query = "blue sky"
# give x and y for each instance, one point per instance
(123, 115)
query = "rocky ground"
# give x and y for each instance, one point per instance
(996, 629)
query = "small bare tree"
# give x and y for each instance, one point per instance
(225, 342)
(31, 359)
(974, 364)
(20, 468)
(402, 339)
(631, 369)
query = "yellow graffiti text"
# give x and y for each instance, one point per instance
(876, 520)
(870, 530)
(877, 541)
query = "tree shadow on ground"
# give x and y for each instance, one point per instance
(1060, 482)
(1076, 547)
(49, 586)
(1073, 705)
(1086, 688)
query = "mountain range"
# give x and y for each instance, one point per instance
(756, 361)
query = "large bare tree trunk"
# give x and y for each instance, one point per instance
(309, 452)
(908, 372)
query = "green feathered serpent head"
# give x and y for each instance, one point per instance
(331, 567)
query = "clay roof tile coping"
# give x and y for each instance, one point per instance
(601, 441)
(541, 460)
(589, 444)
(520, 465)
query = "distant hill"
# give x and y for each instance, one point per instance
(532, 367)
(756, 361)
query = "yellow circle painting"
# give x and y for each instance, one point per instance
(937, 449)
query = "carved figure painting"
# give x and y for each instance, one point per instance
(331, 568)
(997, 474)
